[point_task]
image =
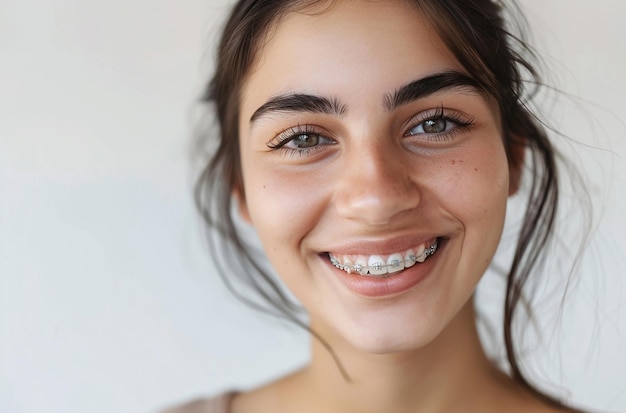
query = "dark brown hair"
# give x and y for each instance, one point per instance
(501, 62)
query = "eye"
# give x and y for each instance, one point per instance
(301, 140)
(433, 126)
(438, 125)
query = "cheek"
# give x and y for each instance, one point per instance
(477, 179)
(283, 210)
(473, 191)
(283, 207)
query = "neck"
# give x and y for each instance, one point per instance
(446, 375)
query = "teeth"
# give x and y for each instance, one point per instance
(420, 256)
(395, 263)
(360, 266)
(376, 266)
(348, 265)
(409, 259)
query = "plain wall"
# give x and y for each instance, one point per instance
(108, 300)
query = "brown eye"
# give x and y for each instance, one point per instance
(304, 140)
(300, 139)
(435, 125)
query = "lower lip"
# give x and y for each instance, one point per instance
(396, 284)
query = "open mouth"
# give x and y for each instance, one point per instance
(384, 266)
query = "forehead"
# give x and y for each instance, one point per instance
(347, 49)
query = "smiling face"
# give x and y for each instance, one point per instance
(374, 172)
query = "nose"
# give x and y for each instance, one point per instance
(376, 185)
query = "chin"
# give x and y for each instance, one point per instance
(379, 335)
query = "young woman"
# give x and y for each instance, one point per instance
(373, 146)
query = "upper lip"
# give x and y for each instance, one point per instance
(371, 246)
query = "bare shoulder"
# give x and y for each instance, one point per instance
(272, 397)
(505, 394)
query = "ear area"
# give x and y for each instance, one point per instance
(242, 206)
(517, 155)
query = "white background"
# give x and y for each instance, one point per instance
(108, 301)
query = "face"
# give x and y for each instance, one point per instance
(374, 172)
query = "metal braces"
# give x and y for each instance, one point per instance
(367, 270)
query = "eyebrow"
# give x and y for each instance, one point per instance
(418, 89)
(429, 85)
(300, 102)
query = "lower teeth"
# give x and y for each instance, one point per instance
(390, 269)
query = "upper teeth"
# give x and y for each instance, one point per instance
(377, 266)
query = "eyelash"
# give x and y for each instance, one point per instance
(439, 114)
(288, 135)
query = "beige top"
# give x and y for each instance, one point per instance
(217, 404)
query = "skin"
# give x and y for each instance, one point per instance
(376, 183)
